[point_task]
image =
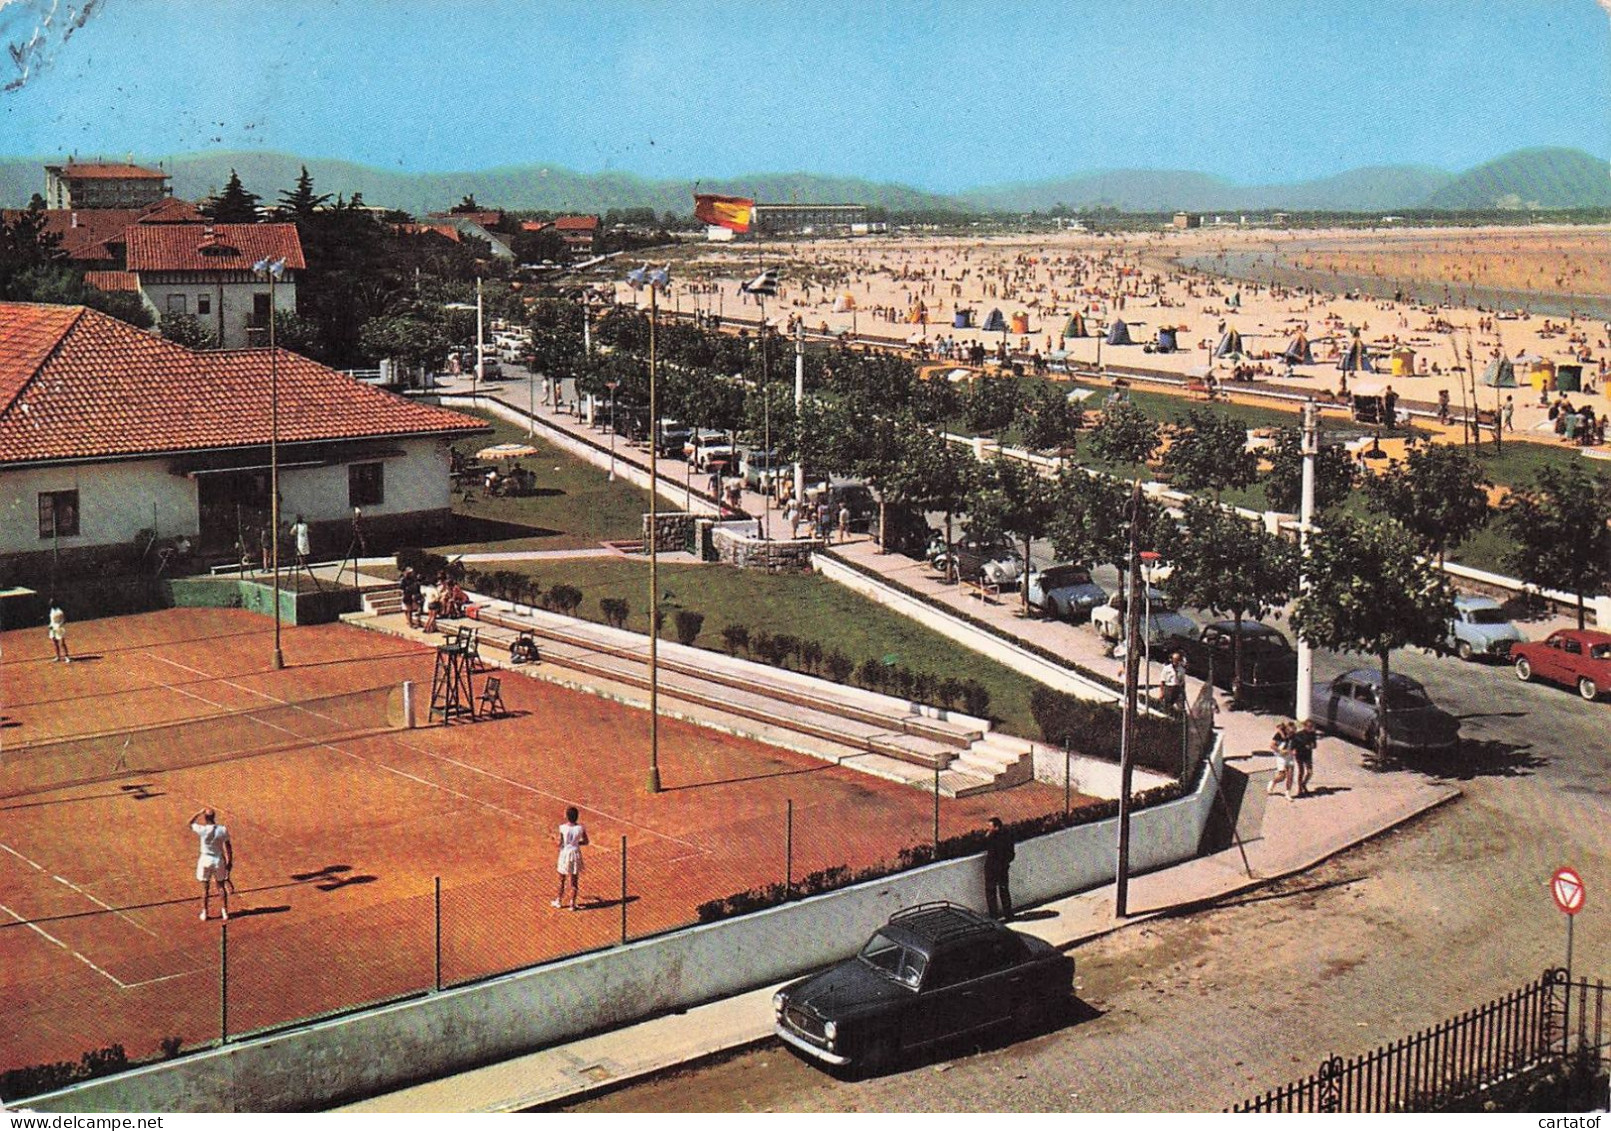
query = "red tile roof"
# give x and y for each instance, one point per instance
(211, 247)
(87, 234)
(77, 384)
(447, 231)
(74, 171)
(577, 223)
(113, 280)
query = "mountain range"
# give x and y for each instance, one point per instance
(1545, 178)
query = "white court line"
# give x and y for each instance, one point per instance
(38, 867)
(692, 847)
(32, 926)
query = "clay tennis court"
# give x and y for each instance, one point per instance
(342, 829)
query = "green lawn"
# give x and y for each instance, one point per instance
(802, 605)
(575, 505)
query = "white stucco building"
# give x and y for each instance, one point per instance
(108, 432)
(205, 271)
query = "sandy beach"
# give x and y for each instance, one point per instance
(909, 288)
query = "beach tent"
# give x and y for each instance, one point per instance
(1569, 378)
(918, 314)
(963, 318)
(1119, 334)
(994, 322)
(1298, 352)
(1235, 301)
(1356, 358)
(1166, 339)
(1539, 372)
(1230, 345)
(845, 303)
(1075, 326)
(1020, 323)
(1500, 374)
(1402, 361)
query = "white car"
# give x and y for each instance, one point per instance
(1161, 625)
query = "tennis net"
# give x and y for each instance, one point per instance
(274, 728)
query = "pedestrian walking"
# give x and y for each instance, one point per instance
(1507, 415)
(1173, 683)
(999, 854)
(216, 860)
(1443, 406)
(572, 839)
(1281, 748)
(844, 522)
(58, 632)
(1303, 755)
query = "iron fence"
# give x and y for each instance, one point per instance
(1551, 1022)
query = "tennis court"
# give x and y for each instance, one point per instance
(371, 861)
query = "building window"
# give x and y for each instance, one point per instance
(260, 312)
(366, 485)
(178, 305)
(58, 513)
(204, 304)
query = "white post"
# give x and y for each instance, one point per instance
(480, 346)
(799, 402)
(408, 704)
(1306, 517)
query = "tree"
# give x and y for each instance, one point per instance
(1011, 497)
(1438, 493)
(1208, 452)
(467, 203)
(1370, 591)
(301, 202)
(25, 245)
(942, 474)
(1047, 419)
(416, 340)
(234, 205)
(992, 403)
(186, 330)
(1561, 532)
(1126, 435)
(1091, 522)
(1232, 567)
(1335, 474)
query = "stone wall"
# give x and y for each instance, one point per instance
(737, 545)
(675, 532)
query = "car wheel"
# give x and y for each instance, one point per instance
(1524, 670)
(1463, 650)
(1587, 688)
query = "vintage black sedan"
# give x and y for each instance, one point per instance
(1269, 664)
(934, 971)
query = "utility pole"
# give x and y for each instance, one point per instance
(799, 404)
(480, 345)
(1127, 726)
(1306, 518)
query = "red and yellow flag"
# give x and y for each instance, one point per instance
(731, 212)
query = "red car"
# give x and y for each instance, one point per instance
(1580, 657)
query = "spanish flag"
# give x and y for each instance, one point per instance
(732, 212)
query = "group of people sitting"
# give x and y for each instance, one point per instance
(516, 481)
(423, 604)
(1577, 425)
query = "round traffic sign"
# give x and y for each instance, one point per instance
(1567, 888)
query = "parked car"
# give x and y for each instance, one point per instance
(761, 469)
(996, 564)
(674, 435)
(1574, 657)
(1350, 705)
(1065, 590)
(934, 971)
(1480, 628)
(707, 445)
(852, 493)
(1162, 624)
(1269, 664)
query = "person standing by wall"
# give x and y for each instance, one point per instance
(999, 854)
(303, 540)
(1173, 684)
(58, 632)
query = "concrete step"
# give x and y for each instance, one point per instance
(914, 749)
(959, 783)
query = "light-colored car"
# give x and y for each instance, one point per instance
(1160, 626)
(1350, 706)
(1065, 590)
(1480, 628)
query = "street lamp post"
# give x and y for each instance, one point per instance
(1306, 518)
(273, 268)
(1127, 724)
(655, 280)
(611, 385)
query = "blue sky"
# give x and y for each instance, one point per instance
(939, 95)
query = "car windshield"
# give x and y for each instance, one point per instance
(1486, 616)
(889, 957)
(1064, 577)
(1401, 698)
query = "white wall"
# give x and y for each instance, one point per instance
(230, 314)
(420, 480)
(115, 501)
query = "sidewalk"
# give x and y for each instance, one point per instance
(1279, 837)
